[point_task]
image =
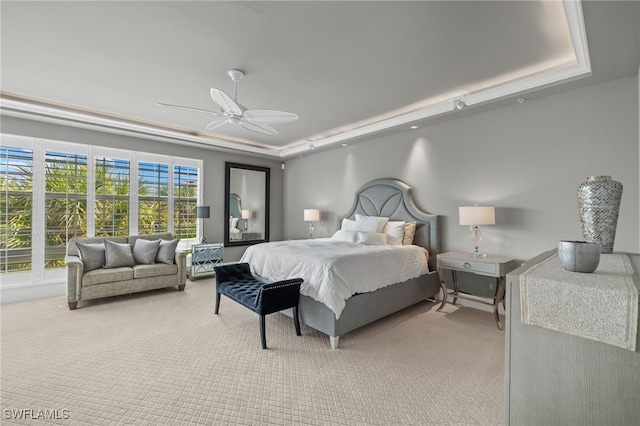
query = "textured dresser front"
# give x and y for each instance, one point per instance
(553, 378)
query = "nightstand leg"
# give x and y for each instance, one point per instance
(454, 275)
(496, 301)
(445, 295)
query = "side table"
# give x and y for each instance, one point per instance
(203, 259)
(490, 266)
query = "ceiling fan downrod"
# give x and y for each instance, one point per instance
(236, 76)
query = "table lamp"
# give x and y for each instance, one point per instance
(474, 216)
(202, 212)
(311, 215)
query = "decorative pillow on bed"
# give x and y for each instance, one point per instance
(117, 255)
(374, 224)
(345, 235)
(145, 251)
(92, 256)
(372, 238)
(167, 251)
(347, 224)
(233, 222)
(409, 233)
(395, 232)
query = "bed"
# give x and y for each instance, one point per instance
(379, 198)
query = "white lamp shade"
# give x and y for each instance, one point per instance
(246, 214)
(477, 215)
(311, 215)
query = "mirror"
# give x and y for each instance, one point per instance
(246, 204)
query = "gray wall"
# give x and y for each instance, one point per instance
(213, 173)
(526, 159)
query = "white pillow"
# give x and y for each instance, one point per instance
(395, 232)
(233, 222)
(372, 238)
(347, 224)
(345, 235)
(373, 224)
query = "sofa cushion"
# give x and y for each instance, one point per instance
(72, 248)
(92, 255)
(101, 276)
(145, 251)
(117, 255)
(131, 239)
(157, 270)
(167, 251)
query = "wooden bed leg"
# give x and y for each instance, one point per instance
(334, 341)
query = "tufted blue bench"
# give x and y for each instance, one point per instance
(262, 297)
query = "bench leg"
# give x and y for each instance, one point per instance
(263, 338)
(217, 302)
(73, 305)
(296, 320)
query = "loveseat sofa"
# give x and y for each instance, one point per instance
(110, 266)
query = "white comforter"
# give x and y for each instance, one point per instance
(333, 271)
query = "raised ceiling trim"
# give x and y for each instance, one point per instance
(554, 74)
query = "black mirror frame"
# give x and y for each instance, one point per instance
(227, 192)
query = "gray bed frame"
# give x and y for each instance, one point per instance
(389, 198)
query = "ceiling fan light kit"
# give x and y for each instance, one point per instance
(231, 112)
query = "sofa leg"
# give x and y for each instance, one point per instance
(263, 338)
(296, 320)
(181, 287)
(217, 302)
(73, 305)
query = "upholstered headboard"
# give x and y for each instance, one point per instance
(392, 198)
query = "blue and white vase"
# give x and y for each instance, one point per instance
(599, 205)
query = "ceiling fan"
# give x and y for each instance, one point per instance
(257, 120)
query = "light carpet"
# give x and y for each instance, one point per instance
(163, 357)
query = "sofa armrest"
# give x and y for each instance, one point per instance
(181, 261)
(75, 270)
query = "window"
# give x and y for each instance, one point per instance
(65, 203)
(185, 200)
(153, 196)
(53, 191)
(16, 183)
(112, 197)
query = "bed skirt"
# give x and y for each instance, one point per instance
(364, 308)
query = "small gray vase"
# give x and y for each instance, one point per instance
(579, 256)
(599, 205)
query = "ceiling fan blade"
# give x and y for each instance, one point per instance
(189, 108)
(260, 128)
(269, 116)
(225, 102)
(218, 122)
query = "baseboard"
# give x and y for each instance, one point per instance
(23, 292)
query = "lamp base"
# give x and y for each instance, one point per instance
(476, 237)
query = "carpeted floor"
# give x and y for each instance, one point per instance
(163, 357)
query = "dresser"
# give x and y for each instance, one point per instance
(555, 378)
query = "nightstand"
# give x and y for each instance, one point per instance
(489, 266)
(203, 258)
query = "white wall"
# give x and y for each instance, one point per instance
(526, 159)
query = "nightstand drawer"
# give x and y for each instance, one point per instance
(469, 265)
